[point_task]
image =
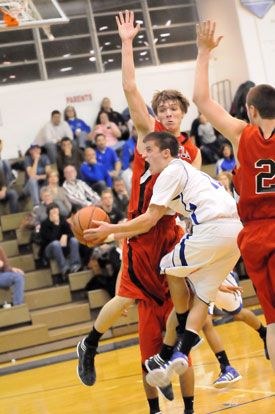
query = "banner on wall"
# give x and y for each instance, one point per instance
(258, 7)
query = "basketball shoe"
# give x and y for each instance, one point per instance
(160, 372)
(86, 365)
(228, 377)
(166, 392)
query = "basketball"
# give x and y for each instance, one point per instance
(83, 220)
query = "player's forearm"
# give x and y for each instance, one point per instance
(128, 67)
(201, 85)
(139, 225)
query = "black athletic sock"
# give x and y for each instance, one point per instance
(166, 352)
(188, 340)
(262, 331)
(154, 405)
(188, 403)
(93, 338)
(182, 317)
(223, 360)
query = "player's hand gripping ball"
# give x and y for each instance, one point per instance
(83, 220)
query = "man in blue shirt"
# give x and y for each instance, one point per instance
(107, 156)
(128, 148)
(94, 173)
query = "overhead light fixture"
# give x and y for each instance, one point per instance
(140, 36)
(6, 63)
(103, 28)
(12, 76)
(165, 35)
(66, 69)
(168, 23)
(92, 59)
(111, 60)
(139, 21)
(67, 55)
(143, 53)
(107, 43)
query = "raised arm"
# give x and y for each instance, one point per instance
(142, 120)
(221, 120)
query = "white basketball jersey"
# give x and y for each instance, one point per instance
(192, 193)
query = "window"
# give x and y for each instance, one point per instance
(90, 42)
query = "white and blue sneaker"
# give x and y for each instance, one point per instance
(228, 377)
(159, 371)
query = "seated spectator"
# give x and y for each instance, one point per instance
(128, 148)
(110, 130)
(210, 145)
(57, 192)
(52, 133)
(94, 173)
(225, 178)
(37, 166)
(107, 156)
(80, 129)
(115, 117)
(40, 213)
(121, 198)
(11, 276)
(8, 194)
(68, 155)
(194, 136)
(127, 175)
(107, 203)
(105, 263)
(77, 191)
(227, 161)
(58, 242)
(10, 175)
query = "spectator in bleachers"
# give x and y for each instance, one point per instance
(11, 276)
(41, 213)
(77, 191)
(6, 167)
(225, 178)
(115, 117)
(128, 148)
(52, 133)
(58, 242)
(80, 129)
(194, 136)
(57, 192)
(8, 194)
(107, 203)
(110, 130)
(121, 197)
(68, 155)
(127, 175)
(94, 173)
(107, 156)
(37, 166)
(227, 161)
(209, 143)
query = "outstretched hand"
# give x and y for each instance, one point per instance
(125, 25)
(205, 38)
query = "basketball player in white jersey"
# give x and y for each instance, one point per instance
(205, 257)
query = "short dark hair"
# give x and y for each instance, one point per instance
(50, 207)
(169, 95)
(164, 140)
(65, 139)
(55, 112)
(262, 97)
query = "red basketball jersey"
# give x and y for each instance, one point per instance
(254, 179)
(143, 182)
